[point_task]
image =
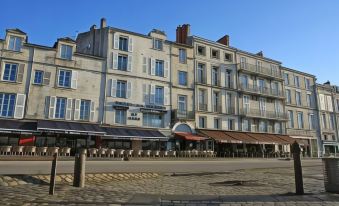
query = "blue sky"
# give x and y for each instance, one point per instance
(303, 34)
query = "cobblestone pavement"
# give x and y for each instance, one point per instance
(243, 187)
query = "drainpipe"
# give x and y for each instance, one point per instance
(28, 79)
(335, 120)
(318, 118)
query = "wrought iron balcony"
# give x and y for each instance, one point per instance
(183, 114)
(261, 90)
(203, 107)
(264, 114)
(260, 70)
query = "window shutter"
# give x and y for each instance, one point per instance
(145, 93)
(322, 101)
(152, 66)
(19, 106)
(20, 74)
(115, 61)
(47, 78)
(130, 44)
(129, 89)
(113, 88)
(329, 104)
(69, 109)
(92, 111)
(129, 64)
(144, 64)
(74, 83)
(166, 69)
(52, 104)
(152, 99)
(166, 96)
(77, 109)
(116, 41)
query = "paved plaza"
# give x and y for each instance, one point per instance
(251, 186)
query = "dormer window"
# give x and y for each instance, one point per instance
(15, 43)
(157, 44)
(123, 43)
(66, 52)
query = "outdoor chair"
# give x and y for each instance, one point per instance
(156, 153)
(120, 153)
(194, 153)
(5, 150)
(137, 153)
(29, 150)
(172, 153)
(163, 153)
(92, 152)
(128, 153)
(18, 150)
(110, 152)
(52, 150)
(41, 151)
(102, 152)
(65, 151)
(147, 153)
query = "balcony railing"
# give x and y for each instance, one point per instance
(260, 70)
(217, 108)
(264, 114)
(300, 132)
(203, 107)
(183, 114)
(328, 130)
(261, 90)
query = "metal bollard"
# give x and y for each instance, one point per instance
(79, 169)
(53, 173)
(299, 185)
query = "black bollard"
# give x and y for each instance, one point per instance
(299, 185)
(79, 169)
(53, 173)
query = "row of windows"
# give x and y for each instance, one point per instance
(215, 53)
(300, 120)
(217, 123)
(201, 75)
(61, 105)
(15, 44)
(298, 98)
(297, 81)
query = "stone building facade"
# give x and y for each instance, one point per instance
(120, 89)
(301, 107)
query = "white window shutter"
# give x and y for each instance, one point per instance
(20, 73)
(129, 64)
(145, 93)
(329, 104)
(19, 106)
(91, 118)
(129, 89)
(116, 41)
(47, 78)
(115, 61)
(52, 104)
(113, 88)
(322, 101)
(144, 64)
(74, 83)
(166, 96)
(152, 66)
(152, 99)
(166, 69)
(69, 108)
(77, 109)
(130, 44)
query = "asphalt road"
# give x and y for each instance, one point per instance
(43, 167)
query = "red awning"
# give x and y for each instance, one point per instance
(189, 136)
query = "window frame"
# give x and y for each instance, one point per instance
(203, 50)
(184, 73)
(85, 114)
(124, 39)
(182, 58)
(17, 45)
(67, 51)
(64, 78)
(120, 91)
(158, 44)
(9, 111)
(159, 68)
(61, 111)
(159, 100)
(122, 62)
(35, 76)
(120, 116)
(10, 72)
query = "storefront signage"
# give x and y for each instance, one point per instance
(148, 106)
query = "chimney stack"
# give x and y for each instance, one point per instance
(261, 54)
(225, 40)
(103, 23)
(182, 33)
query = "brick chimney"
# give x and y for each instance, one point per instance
(225, 40)
(103, 23)
(182, 33)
